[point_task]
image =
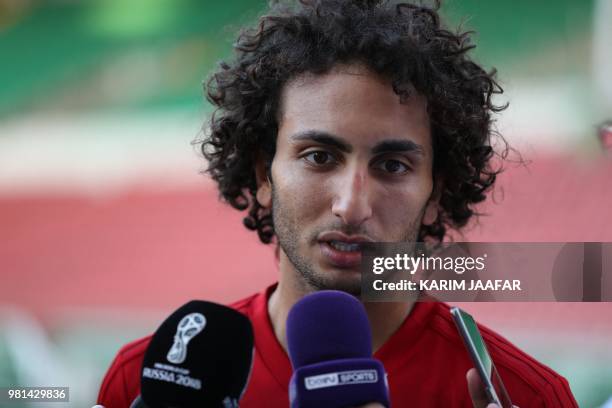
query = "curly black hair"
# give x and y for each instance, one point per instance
(405, 43)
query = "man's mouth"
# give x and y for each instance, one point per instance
(345, 246)
(341, 254)
(341, 250)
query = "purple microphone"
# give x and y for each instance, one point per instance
(330, 347)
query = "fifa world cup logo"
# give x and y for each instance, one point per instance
(187, 329)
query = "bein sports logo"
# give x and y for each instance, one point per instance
(187, 329)
(340, 378)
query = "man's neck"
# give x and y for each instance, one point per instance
(385, 317)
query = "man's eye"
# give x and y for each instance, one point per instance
(319, 158)
(392, 166)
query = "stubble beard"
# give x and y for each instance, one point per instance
(310, 279)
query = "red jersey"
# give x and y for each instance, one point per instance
(425, 360)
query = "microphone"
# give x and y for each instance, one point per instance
(200, 356)
(330, 347)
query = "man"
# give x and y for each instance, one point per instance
(341, 122)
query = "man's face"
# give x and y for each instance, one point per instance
(352, 164)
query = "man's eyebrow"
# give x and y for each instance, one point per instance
(324, 138)
(399, 145)
(386, 146)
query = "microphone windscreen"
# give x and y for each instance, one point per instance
(200, 356)
(330, 347)
(327, 325)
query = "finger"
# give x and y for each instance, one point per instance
(477, 391)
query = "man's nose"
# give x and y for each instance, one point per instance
(352, 200)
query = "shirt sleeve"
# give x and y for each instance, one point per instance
(559, 394)
(113, 391)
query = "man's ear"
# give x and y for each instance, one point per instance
(433, 204)
(264, 185)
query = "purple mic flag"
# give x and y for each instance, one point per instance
(330, 347)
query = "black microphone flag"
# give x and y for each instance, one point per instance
(200, 356)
